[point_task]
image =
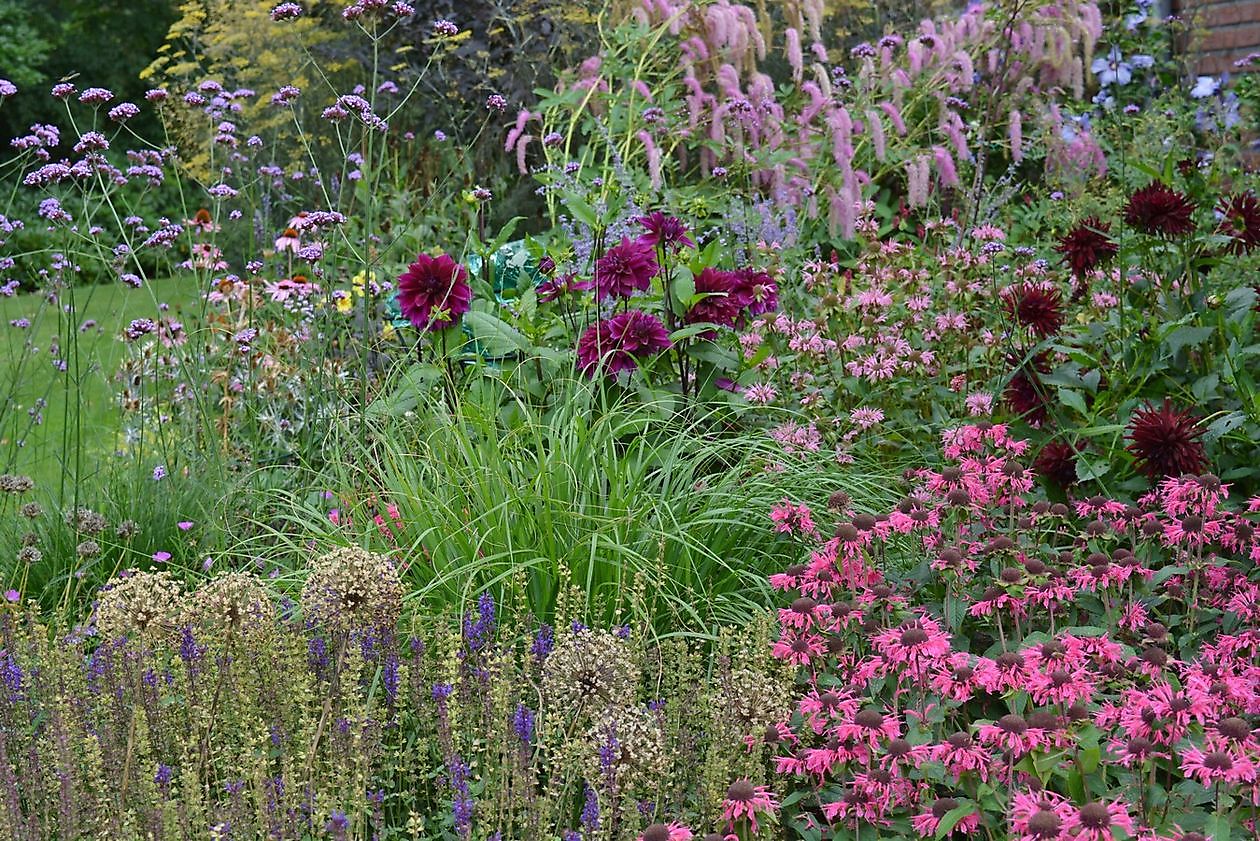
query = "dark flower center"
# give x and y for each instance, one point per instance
(870, 719)
(741, 791)
(1044, 824)
(1014, 724)
(943, 806)
(913, 636)
(1095, 816)
(656, 832)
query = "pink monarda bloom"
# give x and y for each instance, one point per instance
(927, 822)
(916, 646)
(1097, 821)
(1217, 766)
(744, 802)
(1040, 817)
(625, 269)
(434, 292)
(618, 344)
(666, 832)
(960, 754)
(1012, 733)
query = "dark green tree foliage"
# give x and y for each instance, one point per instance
(106, 43)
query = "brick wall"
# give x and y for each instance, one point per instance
(1231, 30)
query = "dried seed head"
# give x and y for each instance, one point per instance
(142, 605)
(350, 588)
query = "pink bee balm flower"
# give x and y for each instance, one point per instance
(433, 293)
(927, 822)
(917, 646)
(1217, 766)
(744, 801)
(666, 832)
(1096, 821)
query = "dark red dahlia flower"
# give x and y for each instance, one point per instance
(1037, 306)
(1057, 464)
(756, 291)
(664, 230)
(1165, 441)
(433, 293)
(722, 304)
(1240, 221)
(1087, 246)
(1159, 210)
(625, 269)
(617, 344)
(1025, 393)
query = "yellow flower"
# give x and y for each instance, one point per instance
(344, 302)
(388, 332)
(359, 282)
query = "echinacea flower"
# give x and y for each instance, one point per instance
(1087, 246)
(1097, 821)
(618, 344)
(1036, 306)
(744, 801)
(1240, 221)
(434, 292)
(666, 832)
(1165, 441)
(1159, 210)
(625, 269)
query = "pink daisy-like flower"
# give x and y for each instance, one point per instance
(1097, 821)
(744, 802)
(625, 269)
(434, 292)
(869, 726)
(955, 677)
(799, 648)
(1013, 733)
(1217, 766)
(666, 832)
(926, 823)
(960, 754)
(916, 646)
(1040, 817)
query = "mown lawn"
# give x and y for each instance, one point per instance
(42, 405)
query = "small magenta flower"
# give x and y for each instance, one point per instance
(666, 832)
(161, 557)
(496, 102)
(286, 11)
(744, 802)
(184, 525)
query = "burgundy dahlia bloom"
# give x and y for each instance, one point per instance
(1087, 246)
(617, 344)
(1037, 306)
(1160, 210)
(756, 290)
(433, 293)
(1165, 441)
(1026, 394)
(1057, 464)
(722, 304)
(625, 269)
(664, 230)
(1240, 221)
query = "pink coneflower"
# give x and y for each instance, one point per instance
(1013, 733)
(822, 708)
(1135, 751)
(1040, 817)
(789, 518)
(865, 418)
(1062, 684)
(955, 678)
(925, 823)
(433, 293)
(760, 394)
(1097, 821)
(666, 832)
(869, 726)
(625, 269)
(916, 646)
(960, 754)
(1217, 766)
(744, 802)
(667, 231)
(289, 240)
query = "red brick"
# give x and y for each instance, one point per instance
(1240, 38)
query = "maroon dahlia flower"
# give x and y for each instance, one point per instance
(617, 344)
(756, 290)
(1057, 464)
(433, 293)
(1160, 210)
(1025, 393)
(1240, 221)
(664, 230)
(1165, 441)
(1036, 306)
(625, 269)
(1087, 246)
(722, 303)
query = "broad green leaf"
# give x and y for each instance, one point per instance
(495, 336)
